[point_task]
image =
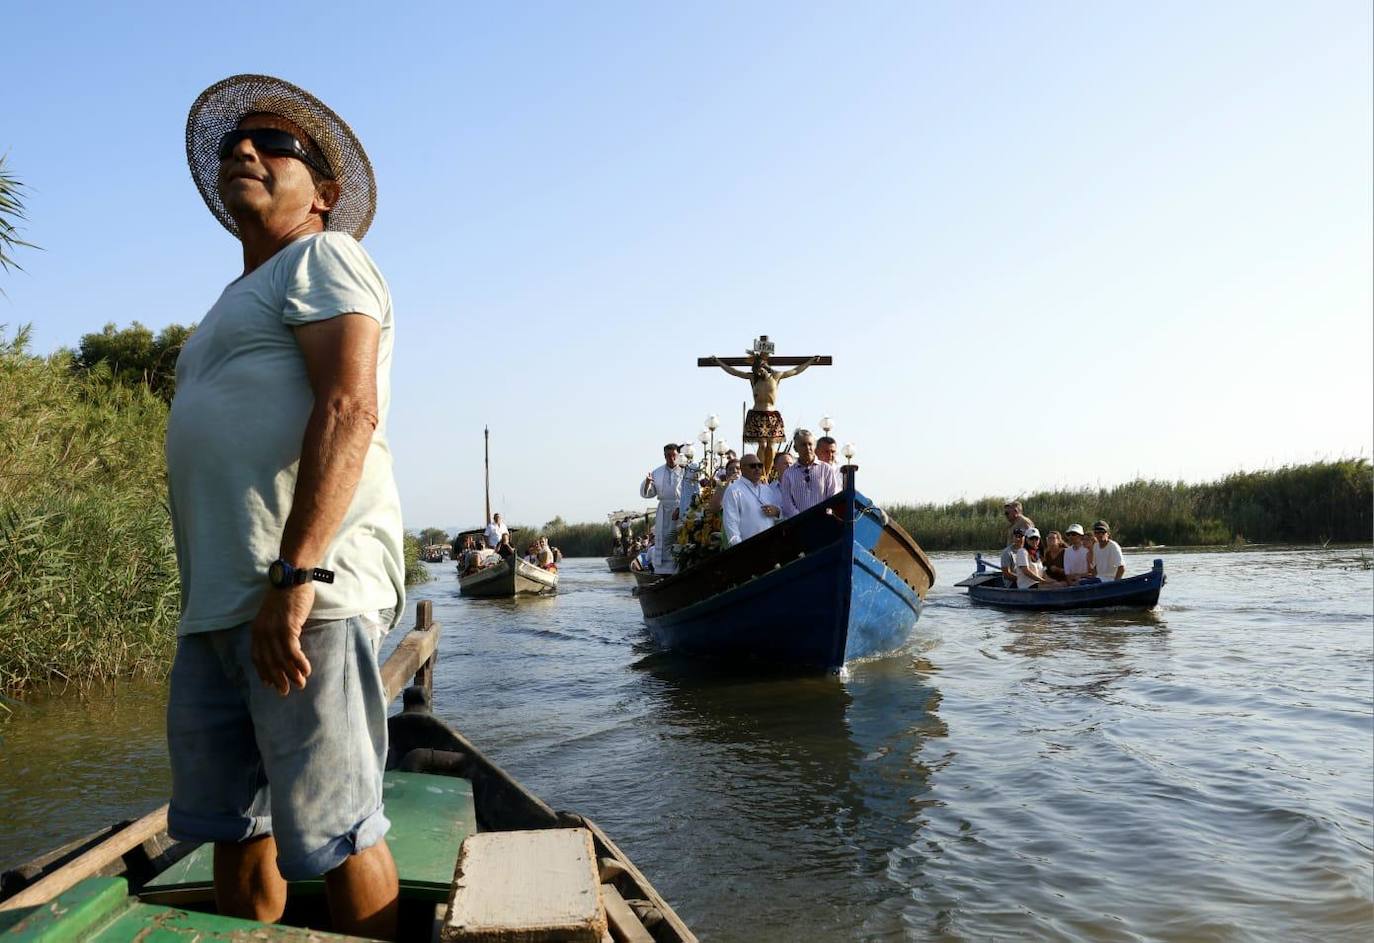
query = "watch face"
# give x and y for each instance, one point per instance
(276, 573)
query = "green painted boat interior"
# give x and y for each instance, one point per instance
(100, 910)
(430, 816)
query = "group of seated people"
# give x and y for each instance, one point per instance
(477, 554)
(1059, 560)
(641, 553)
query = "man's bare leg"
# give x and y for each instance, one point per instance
(765, 453)
(247, 882)
(362, 894)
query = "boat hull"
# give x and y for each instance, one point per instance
(618, 564)
(505, 579)
(1133, 592)
(835, 583)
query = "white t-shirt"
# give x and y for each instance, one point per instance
(1021, 558)
(1107, 559)
(234, 439)
(1076, 560)
(494, 532)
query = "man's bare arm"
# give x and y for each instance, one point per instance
(798, 369)
(341, 363)
(731, 370)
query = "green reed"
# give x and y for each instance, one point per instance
(1322, 502)
(88, 577)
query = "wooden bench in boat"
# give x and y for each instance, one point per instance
(535, 886)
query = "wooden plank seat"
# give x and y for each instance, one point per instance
(534, 886)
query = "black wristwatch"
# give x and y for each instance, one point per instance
(283, 575)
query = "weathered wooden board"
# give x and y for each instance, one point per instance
(625, 926)
(536, 886)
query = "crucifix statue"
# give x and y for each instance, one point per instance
(763, 425)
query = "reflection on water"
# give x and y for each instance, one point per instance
(1204, 771)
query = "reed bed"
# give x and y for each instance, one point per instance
(575, 540)
(88, 577)
(1318, 503)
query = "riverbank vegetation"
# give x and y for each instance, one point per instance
(88, 576)
(1317, 503)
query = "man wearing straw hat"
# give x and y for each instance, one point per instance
(286, 518)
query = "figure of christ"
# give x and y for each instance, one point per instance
(763, 425)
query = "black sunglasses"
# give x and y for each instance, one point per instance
(273, 141)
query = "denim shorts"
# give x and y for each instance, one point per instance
(320, 749)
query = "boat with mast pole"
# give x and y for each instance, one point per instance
(507, 576)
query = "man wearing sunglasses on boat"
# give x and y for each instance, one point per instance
(809, 482)
(286, 518)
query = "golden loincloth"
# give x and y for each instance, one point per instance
(764, 425)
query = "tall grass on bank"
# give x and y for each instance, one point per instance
(88, 577)
(1316, 503)
(575, 540)
(415, 570)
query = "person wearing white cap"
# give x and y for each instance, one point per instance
(1030, 569)
(1077, 555)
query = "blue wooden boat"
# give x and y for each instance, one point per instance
(837, 582)
(1135, 592)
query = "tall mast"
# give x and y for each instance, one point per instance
(486, 471)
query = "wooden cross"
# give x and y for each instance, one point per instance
(764, 346)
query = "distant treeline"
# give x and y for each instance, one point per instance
(1316, 503)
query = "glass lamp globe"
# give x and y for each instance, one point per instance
(704, 437)
(849, 451)
(713, 422)
(826, 424)
(690, 452)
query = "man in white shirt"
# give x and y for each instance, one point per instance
(1107, 564)
(1077, 555)
(751, 505)
(665, 483)
(495, 530)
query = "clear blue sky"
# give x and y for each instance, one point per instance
(1046, 243)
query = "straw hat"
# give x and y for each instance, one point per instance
(219, 109)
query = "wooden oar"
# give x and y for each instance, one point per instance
(84, 866)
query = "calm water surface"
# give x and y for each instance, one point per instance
(1202, 772)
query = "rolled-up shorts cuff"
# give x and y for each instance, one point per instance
(188, 826)
(334, 852)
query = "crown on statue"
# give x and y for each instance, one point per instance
(763, 347)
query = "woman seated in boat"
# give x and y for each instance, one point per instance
(544, 555)
(1030, 567)
(1054, 556)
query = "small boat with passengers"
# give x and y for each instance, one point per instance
(622, 532)
(837, 582)
(479, 858)
(508, 577)
(987, 587)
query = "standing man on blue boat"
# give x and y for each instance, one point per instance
(809, 482)
(286, 518)
(750, 505)
(665, 483)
